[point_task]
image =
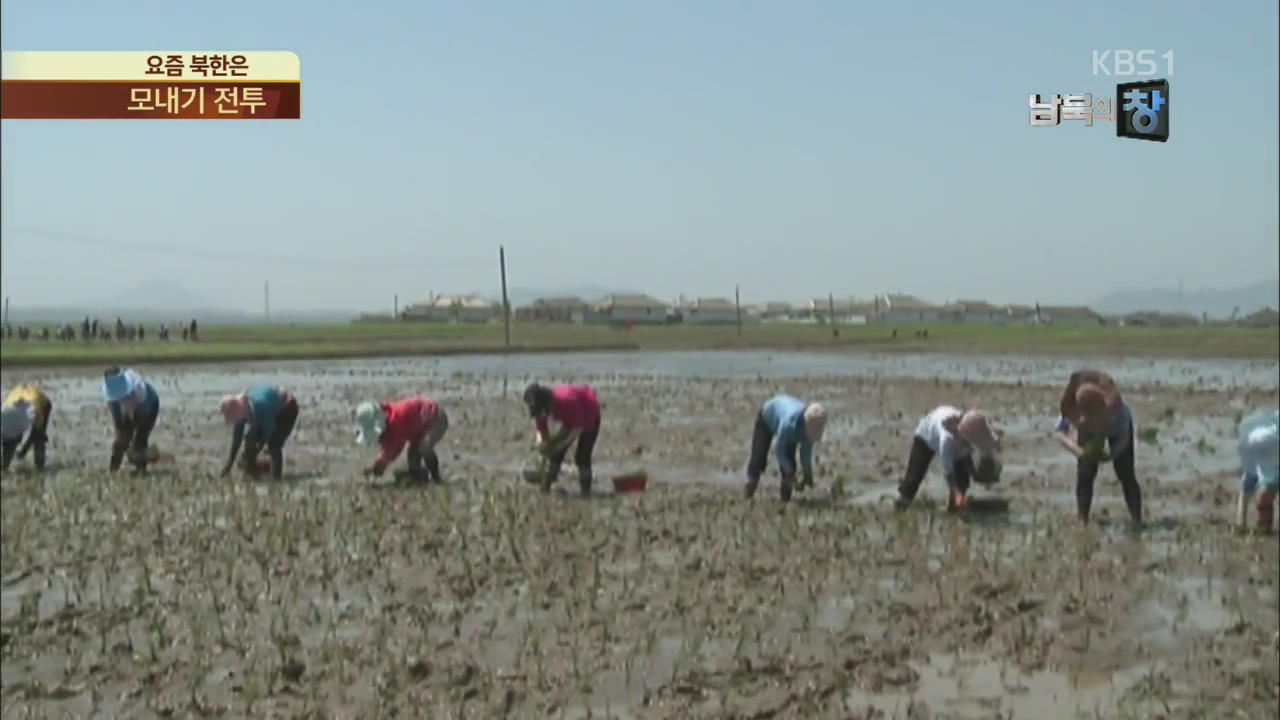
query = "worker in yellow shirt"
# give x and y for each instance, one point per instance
(27, 407)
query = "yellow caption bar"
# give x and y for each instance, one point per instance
(153, 66)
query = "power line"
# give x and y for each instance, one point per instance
(391, 264)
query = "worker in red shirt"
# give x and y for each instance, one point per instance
(577, 410)
(418, 422)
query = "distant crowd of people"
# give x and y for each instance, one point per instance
(93, 330)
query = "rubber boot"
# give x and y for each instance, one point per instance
(9, 449)
(553, 474)
(1242, 508)
(118, 449)
(752, 484)
(37, 454)
(1266, 512)
(417, 473)
(584, 481)
(432, 461)
(788, 484)
(277, 462)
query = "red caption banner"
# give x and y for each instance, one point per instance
(123, 100)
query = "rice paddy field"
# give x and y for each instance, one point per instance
(328, 595)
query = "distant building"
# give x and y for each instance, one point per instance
(620, 309)
(894, 308)
(976, 312)
(452, 308)
(1018, 314)
(709, 311)
(1073, 315)
(1266, 317)
(777, 311)
(1159, 319)
(847, 312)
(553, 309)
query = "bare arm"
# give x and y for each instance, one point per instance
(559, 440)
(1069, 443)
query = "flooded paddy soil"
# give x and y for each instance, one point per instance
(325, 595)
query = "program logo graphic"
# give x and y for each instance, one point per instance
(1144, 110)
(1140, 110)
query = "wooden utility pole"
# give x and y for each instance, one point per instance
(395, 307)
(831, 308)
(737, 304)
(506, 306)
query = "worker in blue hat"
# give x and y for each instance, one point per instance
(134, 405)
(1260, 462)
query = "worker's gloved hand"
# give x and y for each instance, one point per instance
(373, 471)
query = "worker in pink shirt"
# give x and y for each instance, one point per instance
(418, 422)
(577, 410)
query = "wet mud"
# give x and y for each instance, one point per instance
(324, 594)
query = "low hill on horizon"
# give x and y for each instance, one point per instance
(1218, 303)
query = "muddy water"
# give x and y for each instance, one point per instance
(185, 593)
(487, 374)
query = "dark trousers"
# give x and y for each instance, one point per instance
(134, 434)
(9, 448)
(286, 418)
(37, 440)
(1126, 473)
(761, 440)
(424, 463)
(918, 466)
(581, 457)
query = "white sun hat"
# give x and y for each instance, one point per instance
(370, 423)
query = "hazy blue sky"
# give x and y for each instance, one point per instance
(675, 147)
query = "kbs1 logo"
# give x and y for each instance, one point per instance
(1144, 109)
(1121, 62)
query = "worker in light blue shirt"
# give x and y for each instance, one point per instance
(262, 415)
(1260, 463)
(796, 426)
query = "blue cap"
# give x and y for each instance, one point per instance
(117, 387)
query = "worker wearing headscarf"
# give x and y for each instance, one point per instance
(577, 409)
(793, 426)
(1260, 462)
(954, 436)
(26, 408)
(134, 405)
(1093, 406)
(261, 415)
(418, 422)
